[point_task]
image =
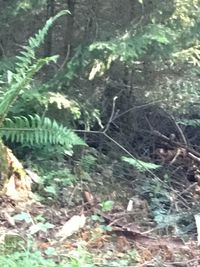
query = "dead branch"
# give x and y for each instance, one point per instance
(191, 152)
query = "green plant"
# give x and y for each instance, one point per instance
(130, 257)
(101, 223)
(106, 205)
(38, 224)
(140, 165)
(36, 130)
(18, 252)
(53, 182)
(26, 258)
(77, 258)
(97, 218)
(31, 129)
(128, 47)
(62, 177)
(87, 162)
(190, 122)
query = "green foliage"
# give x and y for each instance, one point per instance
(190, 122)
(66, 80)
(36, 259)
(154, 40)
(73, 67)
(20, 259)
(101, 223)
(15, 251)
(162, 51)
(63, 177)
(130, 47)
(53, 182)
(79, 258)
(40, 99)
(97, 218)
(87, 162)
(36, 130)
(27, 5)
(33, 130)
(107, 205)
(140, 165)
(7, 63)
(26, 67)
(23, 216)
(62, 102)
(159, 199)
(130, 257)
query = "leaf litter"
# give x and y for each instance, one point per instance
(118, 235)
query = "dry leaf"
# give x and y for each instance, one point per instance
(122, 244)
(71, 226)
(11, 189)
(89, 198)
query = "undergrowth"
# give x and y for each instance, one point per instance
(79, 258)
(16, 252)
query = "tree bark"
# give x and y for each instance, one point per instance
(49, 38)
(15, 182)
(68, 40)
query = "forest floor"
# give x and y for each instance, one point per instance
(102, 219)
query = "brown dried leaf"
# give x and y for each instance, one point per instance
(71, 226)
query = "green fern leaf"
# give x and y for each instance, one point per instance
(140, 165)
(26, 67)
(36, 130)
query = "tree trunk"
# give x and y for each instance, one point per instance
(50, 13)
(14, 182)
(69, 29)
(4, 167)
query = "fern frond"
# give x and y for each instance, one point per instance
(37, 130)
(190, 122)
(140, 165)
(128, 47)
(27, 56)
(26, 67)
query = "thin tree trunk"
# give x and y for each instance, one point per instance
(50, 13)
(14, 182)
(68, 41)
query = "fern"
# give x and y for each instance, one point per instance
(140, 165)
(31, 129)
(129, 47)
(190, 122)
(26, 67)
(36, 130)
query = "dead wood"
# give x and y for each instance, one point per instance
(188, 151)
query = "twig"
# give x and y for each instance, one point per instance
(72, 195)
(136, 107)
(179, 130)
(132, 156)
(177, 144)
(2, 50)
(66, 58)
(111, 116)
(182, 263)
(145, 264)
(187, 189)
